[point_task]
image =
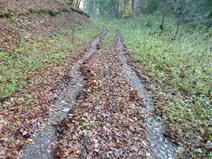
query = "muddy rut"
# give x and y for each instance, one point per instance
(40, 149)
(162, 147)
(106, 112)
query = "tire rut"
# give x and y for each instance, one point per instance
(105, 113)
(42, 140)
(161, 146)
(106, 122)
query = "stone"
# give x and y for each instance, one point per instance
(209, 145)
(66, 109)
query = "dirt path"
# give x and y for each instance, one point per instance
(105, 113)
(106, 122)
(43, 139)
(114, 117)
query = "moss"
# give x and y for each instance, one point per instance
(6, 14)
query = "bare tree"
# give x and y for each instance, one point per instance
(180, 18)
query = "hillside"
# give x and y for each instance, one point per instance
(25, 20)
(38, 42)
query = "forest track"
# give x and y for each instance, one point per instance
(105, 113)
(42, 141)
(162, 147)
(106, 122)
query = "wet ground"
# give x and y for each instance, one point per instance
(43, 139)
(161, 147)
(106, 112)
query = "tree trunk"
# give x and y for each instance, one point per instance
(133, 7)
(179, 21)
(163, 18)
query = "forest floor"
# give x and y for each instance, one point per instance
(88, 100)
(103, 111)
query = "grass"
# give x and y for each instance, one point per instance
(182, 70)
(19, 66)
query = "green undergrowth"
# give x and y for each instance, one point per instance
(108, 43)
(110, 37)
(182, 70)
(19, 66)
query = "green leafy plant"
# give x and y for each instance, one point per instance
(180, 67)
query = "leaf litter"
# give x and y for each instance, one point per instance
(20, 120)
(106, 122)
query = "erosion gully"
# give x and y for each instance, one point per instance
(40, 149)
(161, 146)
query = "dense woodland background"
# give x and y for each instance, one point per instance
(195, 11)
